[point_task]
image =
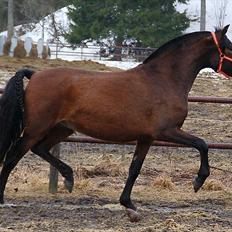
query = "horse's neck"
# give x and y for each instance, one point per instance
(180, 66)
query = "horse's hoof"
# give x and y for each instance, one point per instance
(197, 184)
(133, 215)
(68, 185)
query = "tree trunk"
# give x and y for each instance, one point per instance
(203, 15)
(10, 27)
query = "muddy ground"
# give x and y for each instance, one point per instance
(163, 191)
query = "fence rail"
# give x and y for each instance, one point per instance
(99, 52)
(86, 139)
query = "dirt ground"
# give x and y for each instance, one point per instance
(163, 192)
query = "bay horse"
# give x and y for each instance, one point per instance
(146, 103)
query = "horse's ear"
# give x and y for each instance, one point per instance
(225, 29)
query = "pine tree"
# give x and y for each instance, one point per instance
(150, 22)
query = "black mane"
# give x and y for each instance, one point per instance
(174, 43)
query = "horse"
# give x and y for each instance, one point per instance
(146, 103)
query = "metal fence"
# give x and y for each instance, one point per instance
(99, 52)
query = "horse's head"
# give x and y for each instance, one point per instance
(223, 59)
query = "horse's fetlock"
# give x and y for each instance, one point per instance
(124, 201)
(68, 173)
(204, 171)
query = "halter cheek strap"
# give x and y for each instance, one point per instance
(222, 57)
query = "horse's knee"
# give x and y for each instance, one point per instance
(201, 145)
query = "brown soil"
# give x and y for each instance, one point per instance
(163, 191)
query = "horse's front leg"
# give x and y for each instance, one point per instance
(178, 136)
(134, 170)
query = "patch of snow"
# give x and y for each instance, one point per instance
(119, 64)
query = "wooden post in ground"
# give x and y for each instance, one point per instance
(53, 176)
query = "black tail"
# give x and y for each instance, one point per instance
(12, 111)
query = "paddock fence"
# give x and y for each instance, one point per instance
(99, 52)
(53, 179)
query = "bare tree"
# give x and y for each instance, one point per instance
(220, 7)
(35, 11)
(10, 24)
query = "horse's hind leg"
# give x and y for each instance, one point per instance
(55, 135)
(134, 170)
(14, 155)
(178, 136)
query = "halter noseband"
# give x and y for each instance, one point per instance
(222, 57)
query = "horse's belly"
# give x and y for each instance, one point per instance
(122, 130)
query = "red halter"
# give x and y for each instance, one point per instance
(222, 57)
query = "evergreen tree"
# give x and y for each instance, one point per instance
(151, 22)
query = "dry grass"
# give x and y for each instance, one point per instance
(213, 185)
(83, 184)
(106, 168)
(163, 182)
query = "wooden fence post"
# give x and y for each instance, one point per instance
(53, 176)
